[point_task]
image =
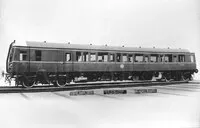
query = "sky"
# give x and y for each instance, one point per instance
(145, 23)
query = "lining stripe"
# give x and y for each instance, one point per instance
(101, 50)
(71, 62)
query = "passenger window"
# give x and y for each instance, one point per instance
(124, 58)
(68, 57)
(168, 58)
(154, 58)
(146, 59)
(138, 58)
(118, 57)
(85, 56)
(181, 58)
(23, 56)
(130, 58)
(93, 57)
(102, 57)
(78, 56)
(38, 55)
(162, 59)
(175, 58)
(112, 57)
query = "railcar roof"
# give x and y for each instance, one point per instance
(101, 47)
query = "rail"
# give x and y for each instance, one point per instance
(84, 86)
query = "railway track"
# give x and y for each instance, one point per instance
(84, 86)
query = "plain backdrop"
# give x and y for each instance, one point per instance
(145, 23)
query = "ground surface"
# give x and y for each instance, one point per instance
(174, 106)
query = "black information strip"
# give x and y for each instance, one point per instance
(138, 91)
(75, 93)
(114, 91)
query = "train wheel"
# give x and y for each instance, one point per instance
(185, 76)
(135, 78)
(167, 77)
(191, 77)
(146, 76)
(28, 83)
(62, 81)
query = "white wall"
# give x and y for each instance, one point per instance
(146, 23)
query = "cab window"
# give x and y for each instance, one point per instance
(23, 55)
(11, 55)
(192, 58)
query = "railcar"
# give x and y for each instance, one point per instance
(62, 63)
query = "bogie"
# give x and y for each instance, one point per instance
(28, 82)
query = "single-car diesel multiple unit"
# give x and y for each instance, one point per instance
(62, 63)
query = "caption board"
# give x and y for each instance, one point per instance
(139, 91)
(115, 92)
(75, 93)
